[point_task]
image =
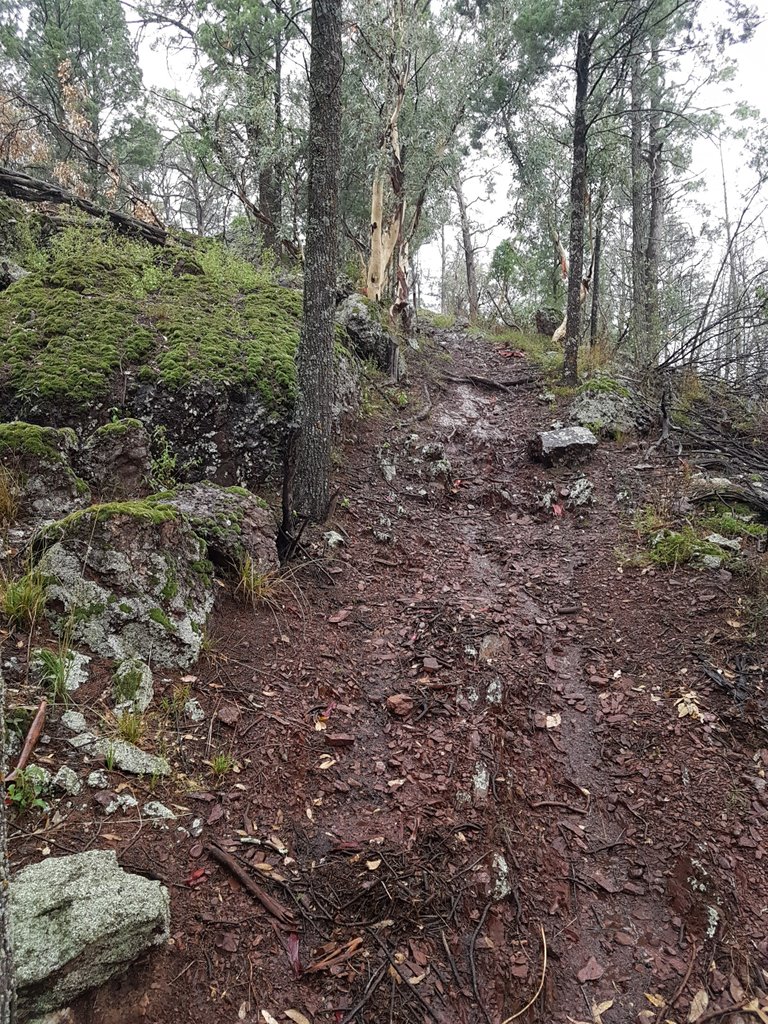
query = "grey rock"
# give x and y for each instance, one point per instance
(563, 445)
(127, 757)
(74, 721)
(728, 543)
(711, 561)
(116, 802)
(98, 780)
(116, 460)
(38, 459)
(77, 922)
(334, 539)
(387, 462)
(611, 412)
(232, 521)
(196, 828)
(154, 809)
(66, 780)
(437, 466)
(128, 585)
(580, 492)
(193, 711)
(133, 687)
(366, 334)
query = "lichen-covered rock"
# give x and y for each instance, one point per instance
(366, 333)
(562, 445)
(128, 579)
(37, 460)
(133, 686)
(120, 755)
(116, 460)
(608, 412)
(77, 922)
(231, 520)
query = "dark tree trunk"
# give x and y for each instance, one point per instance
(7, 972)
(594, 324)
(469, 253)
(314, 358)
(578, 183)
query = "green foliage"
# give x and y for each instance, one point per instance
(729, 525)
(23, 600)
(602, 385)
(104, 305)
(126, 683)
(680, 547)
(253, 584)
(53, 672)
(148, 509)
(9, 496)
(440, 320)
(27, 790)
(164, 462)
(129, 726)
(222, 764)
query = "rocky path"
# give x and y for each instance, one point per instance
(462, 779)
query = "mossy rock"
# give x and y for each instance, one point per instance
(117, 460)
(108, 568)
(38, 460)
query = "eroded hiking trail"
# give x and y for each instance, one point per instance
(459, 737)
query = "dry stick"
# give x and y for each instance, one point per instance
(530, 1002)
(31, 741)
(370, 988)
(716, 1014)
(411, 988)
(472, 967)
(666, 1007)
(451, 961)
(284, 916)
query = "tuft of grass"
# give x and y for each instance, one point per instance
(222, 764)
(53, 672)
(23, 600)
(729, 525)
(130, 726)
(174, 705)
(253, 584)
(648, 521)
(9, 496)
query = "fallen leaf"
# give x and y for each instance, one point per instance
(372, 865)
(396, 783)
(339, 616)
(591, 971)
(654, 999)
(268, 1018)
(699, 1004)
(243, 1011)
(229, 942)
(296, 1017)
(553, 721)
(229, 714)
(431, 664)
(598, 1009)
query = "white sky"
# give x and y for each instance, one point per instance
(162, 70)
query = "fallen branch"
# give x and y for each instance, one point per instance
(536, 995)
(281, 913)
(480, 382)
(31, 741)
(34, 190)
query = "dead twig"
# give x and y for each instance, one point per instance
(670, 1005)
(30, 742)
(472, 966)
(283, 915)
(370, 988)
(395, 967)
(537, 993)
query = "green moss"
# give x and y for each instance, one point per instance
(117, 427)
(28, 439)
(127, 681)
(126, 609)
(204, 569)
(171, 585)
(101, 307)
(145, 508)
(88, 611)
(81, 486)
(602, 385)
(159, 616)
(242, 491)
(678, 548)
(729, 525)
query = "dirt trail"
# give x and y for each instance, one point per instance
(529, 774)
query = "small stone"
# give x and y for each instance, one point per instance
(74, 721)
(333, 539)
(193, 711)
(66, 779)
(711, 562)
(154, 809)
(98, 780)
(400, 704)
(196, 828)
(567, 443)
(730, 544)
(133, 687)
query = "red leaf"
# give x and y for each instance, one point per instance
(592, 971)
(292, 948)
(557, 510)
(196, 877)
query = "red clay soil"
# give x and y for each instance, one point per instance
(462, 779)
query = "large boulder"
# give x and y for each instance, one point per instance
(366, 333)
(231, 520)
(77, 922)
(608, 412)
(566, 444)
(117, 460)
(128, 579)
(37, 461)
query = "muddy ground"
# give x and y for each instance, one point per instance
(461, 776)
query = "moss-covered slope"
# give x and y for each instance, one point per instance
(100, 314)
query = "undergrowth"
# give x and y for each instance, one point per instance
(23, 599)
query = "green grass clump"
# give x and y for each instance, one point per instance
(27, 790)
(53, 672)
(9, 496)
(602, 385)
(680, 547)
(23, 600)
(222, 764)
(253, 584)
(144, 508)
(729, 525)
(129, 726)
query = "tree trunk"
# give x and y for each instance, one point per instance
(651, 322)
(594, 323)
(7, 971)
(578, 182)
(638, 169)
(469, 253)
(314, 358)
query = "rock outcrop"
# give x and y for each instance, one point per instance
(566, 444)
(128, 579)
(77, 922)
(37, 461)
(116, 460)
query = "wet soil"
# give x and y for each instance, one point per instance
(460, 773)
